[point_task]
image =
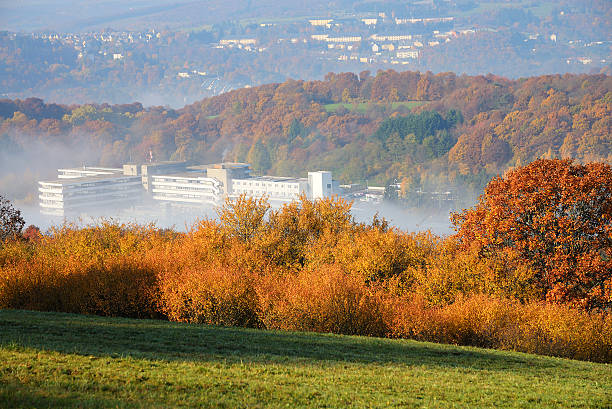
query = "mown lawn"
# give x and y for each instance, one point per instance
(66, 360)
(362, 107)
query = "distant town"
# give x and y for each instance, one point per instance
(162, 66)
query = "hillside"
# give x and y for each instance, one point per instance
(66, 360)
(426, 131)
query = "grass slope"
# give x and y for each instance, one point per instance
(362, 107)
(66, 360)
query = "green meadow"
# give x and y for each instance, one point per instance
(55, 360)
(362, 107)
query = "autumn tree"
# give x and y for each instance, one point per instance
(11, 222)
(555, 216)
(244, 216)
(259, 157)
(32, 233)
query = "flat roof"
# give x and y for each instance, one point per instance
(227, 165)
(90, 169)
(191, 175)
(285, 179)
(165, 163)
(85, 179)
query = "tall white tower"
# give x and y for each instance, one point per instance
(320, 184)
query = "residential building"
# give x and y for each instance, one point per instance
(391, 37)
(408, 54)
(320, 22)
(343, 39)
(238, 41)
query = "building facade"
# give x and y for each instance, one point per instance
(187, 188)
(72, 195)
(80, 190)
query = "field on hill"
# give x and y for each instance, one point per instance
(362, 107)
(67, 360)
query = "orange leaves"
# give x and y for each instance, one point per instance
(503, 323)
(212, 294)
(327, 300)
(95, 270)
(309, 266)
(556, 216)
(244, 217)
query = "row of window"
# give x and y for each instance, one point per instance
(178, 196)
(292, 186)
(264, 192)
(157, 186)
(190, 181)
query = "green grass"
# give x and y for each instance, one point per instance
(65, 360)
(362, 107)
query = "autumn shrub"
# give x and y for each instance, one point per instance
(292, 231)
(93, 270)
(309, 267)
(212, 294)
(379, 256)
(502, 323)
(326, 299)
(453, 270)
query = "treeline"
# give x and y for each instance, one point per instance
(424, 130)
(515, 276)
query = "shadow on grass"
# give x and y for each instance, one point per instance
(166, 341)
(18, 396)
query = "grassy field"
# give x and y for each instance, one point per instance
(362, 107)
(65, 360)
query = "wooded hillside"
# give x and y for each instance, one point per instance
(422, 129)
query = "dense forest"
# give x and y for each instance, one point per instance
(424, 130)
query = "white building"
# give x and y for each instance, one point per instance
(276, 189)
(83, 190)
(408, 54)
(85, 171)
(392, 37)
(188, 187)
(238, 41)
(320, 22)
(75, 194)
(343, 39)
(321, 184)
(319, 37)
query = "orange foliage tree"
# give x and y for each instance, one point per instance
(556, 217)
